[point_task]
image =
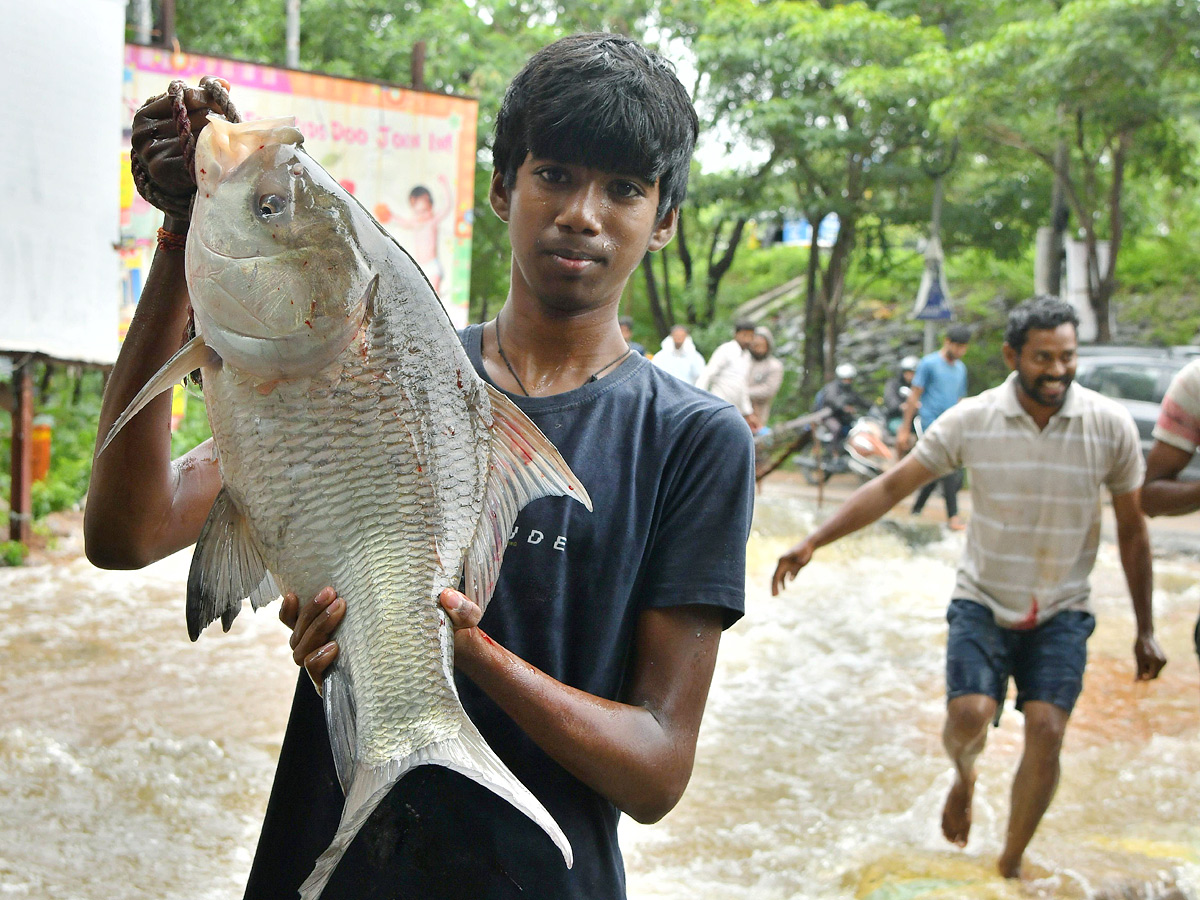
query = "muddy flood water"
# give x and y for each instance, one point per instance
(135, 764)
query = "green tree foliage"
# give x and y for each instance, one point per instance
(1111, 82)
(832, 101)
(838, 96)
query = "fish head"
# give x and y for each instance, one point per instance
(279, 279)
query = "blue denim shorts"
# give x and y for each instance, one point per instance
(1046, 662)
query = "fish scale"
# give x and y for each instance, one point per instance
(358, 449)
(356, 512)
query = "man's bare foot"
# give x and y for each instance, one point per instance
(956, 815)
(956, 524)
(1009, 868)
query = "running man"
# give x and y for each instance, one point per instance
(1039, 449)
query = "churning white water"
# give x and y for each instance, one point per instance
(137, 765)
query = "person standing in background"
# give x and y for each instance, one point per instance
(940, 382)
(679, 356)
(896, 392)
(765, 375)
(725, 374)
(626, 323)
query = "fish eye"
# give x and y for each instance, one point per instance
(270, 205)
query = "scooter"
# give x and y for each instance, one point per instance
(865, 450)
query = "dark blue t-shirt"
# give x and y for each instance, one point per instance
(670, 470)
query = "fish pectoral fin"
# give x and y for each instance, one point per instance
(524, 466)
(195, 354)
(227, 568)
(341, 718)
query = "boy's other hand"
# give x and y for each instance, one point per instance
(155, 140)
(462, 611)
(312, 628)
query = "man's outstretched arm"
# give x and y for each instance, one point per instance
(862, 508)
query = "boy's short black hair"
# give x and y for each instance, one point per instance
(744, 325)
(420, 191)
(600, 100)
(1041, 313)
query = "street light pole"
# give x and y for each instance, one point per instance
(293, 34)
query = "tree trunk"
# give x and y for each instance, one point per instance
(1107, 280)
(685, 256)
(814, 318)
(667, 294)
(656, 310)
(1059, 214)
(717, 270)
(833, 289)
(685, 253)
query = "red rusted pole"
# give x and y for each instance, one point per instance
(20, 517)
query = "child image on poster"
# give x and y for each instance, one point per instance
(426, 217)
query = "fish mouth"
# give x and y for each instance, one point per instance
(208, 248)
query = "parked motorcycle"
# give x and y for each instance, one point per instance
(865, 451)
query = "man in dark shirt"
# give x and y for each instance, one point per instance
(603, 629)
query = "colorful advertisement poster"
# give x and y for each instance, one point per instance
(408, 156)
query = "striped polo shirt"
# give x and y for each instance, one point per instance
(1035, 495)
(1179, 419)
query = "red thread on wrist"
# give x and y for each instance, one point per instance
(169, 240)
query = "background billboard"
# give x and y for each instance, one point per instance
(408, 156)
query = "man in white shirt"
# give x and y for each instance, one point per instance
(679, 355)
(1039, 449)
(725, 374)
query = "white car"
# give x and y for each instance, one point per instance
(1138, 378)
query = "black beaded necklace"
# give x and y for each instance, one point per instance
(593, 377)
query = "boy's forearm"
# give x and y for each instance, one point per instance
(638, 757)
(132, 484)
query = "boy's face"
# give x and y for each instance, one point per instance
(577, 233)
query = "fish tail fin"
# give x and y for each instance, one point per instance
(466, 753)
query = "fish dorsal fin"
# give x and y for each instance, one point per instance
(524, 466)
(194, 354)
(227, 568)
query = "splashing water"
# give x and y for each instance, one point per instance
(137, 764)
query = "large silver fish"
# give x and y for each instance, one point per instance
(358, 449)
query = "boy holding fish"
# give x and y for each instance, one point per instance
(589, 674)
